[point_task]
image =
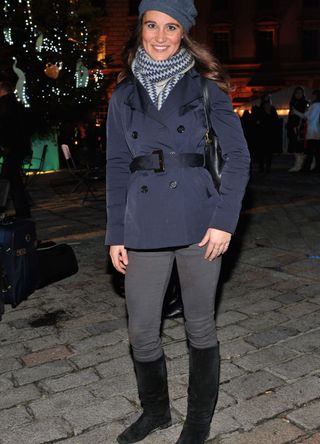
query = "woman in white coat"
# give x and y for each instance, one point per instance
(312, 115)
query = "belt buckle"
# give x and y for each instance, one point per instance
(161, 161)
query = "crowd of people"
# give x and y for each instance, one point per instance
(263, 129)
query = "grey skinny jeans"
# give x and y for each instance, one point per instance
(146, 280)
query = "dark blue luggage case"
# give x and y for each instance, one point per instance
(18, 258)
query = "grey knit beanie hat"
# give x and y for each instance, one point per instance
(183, 11)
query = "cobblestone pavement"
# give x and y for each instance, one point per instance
(65, 369)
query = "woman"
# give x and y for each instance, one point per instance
(162, 205)
(296, 128)
(312, 116)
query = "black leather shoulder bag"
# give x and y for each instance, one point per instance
(214, 161)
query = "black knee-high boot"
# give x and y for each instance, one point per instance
(154, 396)
(202, 394)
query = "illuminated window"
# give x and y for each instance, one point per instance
(221, 45)
(264, 46)
(134, 7)
(311, 3)
(220, 5)
(265, 5)
(310, 44)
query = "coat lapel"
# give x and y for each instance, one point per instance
(186, 91)
(140, 101)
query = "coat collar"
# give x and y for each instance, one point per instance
(187, 90)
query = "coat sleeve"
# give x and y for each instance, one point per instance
(235, 174)
(117, 172)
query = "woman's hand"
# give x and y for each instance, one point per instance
(217, 242)
(298, 113)
(119, 257)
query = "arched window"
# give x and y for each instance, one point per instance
(264, 45)
(221, 45)
(310, 44)
(263, 5)
(220, 5)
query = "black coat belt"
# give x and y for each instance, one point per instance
(157, 161)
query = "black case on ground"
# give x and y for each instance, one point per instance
(56, 262)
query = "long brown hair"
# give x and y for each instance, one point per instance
(205, 62)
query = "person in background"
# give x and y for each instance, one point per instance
(247, 123)
(312, 116)
(162, 205)
(267, 125)
(15, 143)
(296, 128)
(88, 141)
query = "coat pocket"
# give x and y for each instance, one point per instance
(203, 183)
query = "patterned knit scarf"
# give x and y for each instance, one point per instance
(150, 72)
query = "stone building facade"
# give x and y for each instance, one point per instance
(264, 44)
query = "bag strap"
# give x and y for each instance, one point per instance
(205, 95)
(206, 104)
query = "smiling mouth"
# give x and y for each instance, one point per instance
(160, 48)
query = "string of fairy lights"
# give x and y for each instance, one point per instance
(7, 30)
(52, 44)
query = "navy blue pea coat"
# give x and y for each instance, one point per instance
(149, 210)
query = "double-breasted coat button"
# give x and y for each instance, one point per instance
(173, 184)
(134, 134)
(181, 129)
(144, 189)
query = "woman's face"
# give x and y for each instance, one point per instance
(298, 94)
(161, 35)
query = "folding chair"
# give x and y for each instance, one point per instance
(85, 177)
(30, 172)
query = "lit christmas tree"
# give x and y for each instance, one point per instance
(48, 48)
